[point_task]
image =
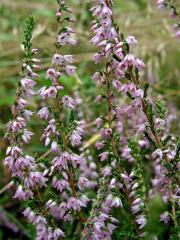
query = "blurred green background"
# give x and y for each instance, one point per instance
(157, 46)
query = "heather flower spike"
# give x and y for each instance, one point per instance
(28, 175)
(120, 63)
(62, 135)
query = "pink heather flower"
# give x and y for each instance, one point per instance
(97, 77)
(68, 58)
(160, 4)
(99, 145)
(35, 60)
(27, 114)
(157, 154)
(139, 64)
(129, 60)
(141, 128)
(17, 125)
(106, 171)
(62, 60)
(61, 160)
(172, 14)
(74, 203)
(125, 176)
(26, 136)
(99, 99)
(99, 122)
(70, 70)
(27, 83)
(131, 40)
(136, 208)
(97, 58)
(35, 179)
(15, 151)
(57, 59)
(119, 53)
(58, 14)
(61, 185)
(160, 123)
(138, 94)
(51, 74)
(106, 132)
(22, 103)
(76, 159)
(29, 214)
(66, 38)
(43, 113)
(141, 220)
(58, 233)
(101, 10)
(164, 217)
(68, 102)
(127, 153)
(20, 193)
(137, 201)
(135, 185)
(82, 182)
(143, 143)
(117, 84)
(76, 136)
(51, 92)
(103, 156)
(84, 200)
(34, 75)
(116, 202)
(54, 147)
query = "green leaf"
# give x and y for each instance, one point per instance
(161, 109)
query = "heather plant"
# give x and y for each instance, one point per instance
(101, 179)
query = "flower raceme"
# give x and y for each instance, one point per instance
(120, 64)
(27, 173)
(61, 135)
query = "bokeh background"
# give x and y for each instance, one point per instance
(157, 46)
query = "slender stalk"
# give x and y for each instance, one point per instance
(6, 187)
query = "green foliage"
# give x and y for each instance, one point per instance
(125, 235)
(154, 227)
(146, 87)
(150, 115)
(161, 109)
(28, 31)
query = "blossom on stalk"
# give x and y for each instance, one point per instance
(63, 133)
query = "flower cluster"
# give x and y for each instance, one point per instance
(120, 64)
(43, 230)
(117, 64)
(63, 133)
(28, 175)
(84, 189)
